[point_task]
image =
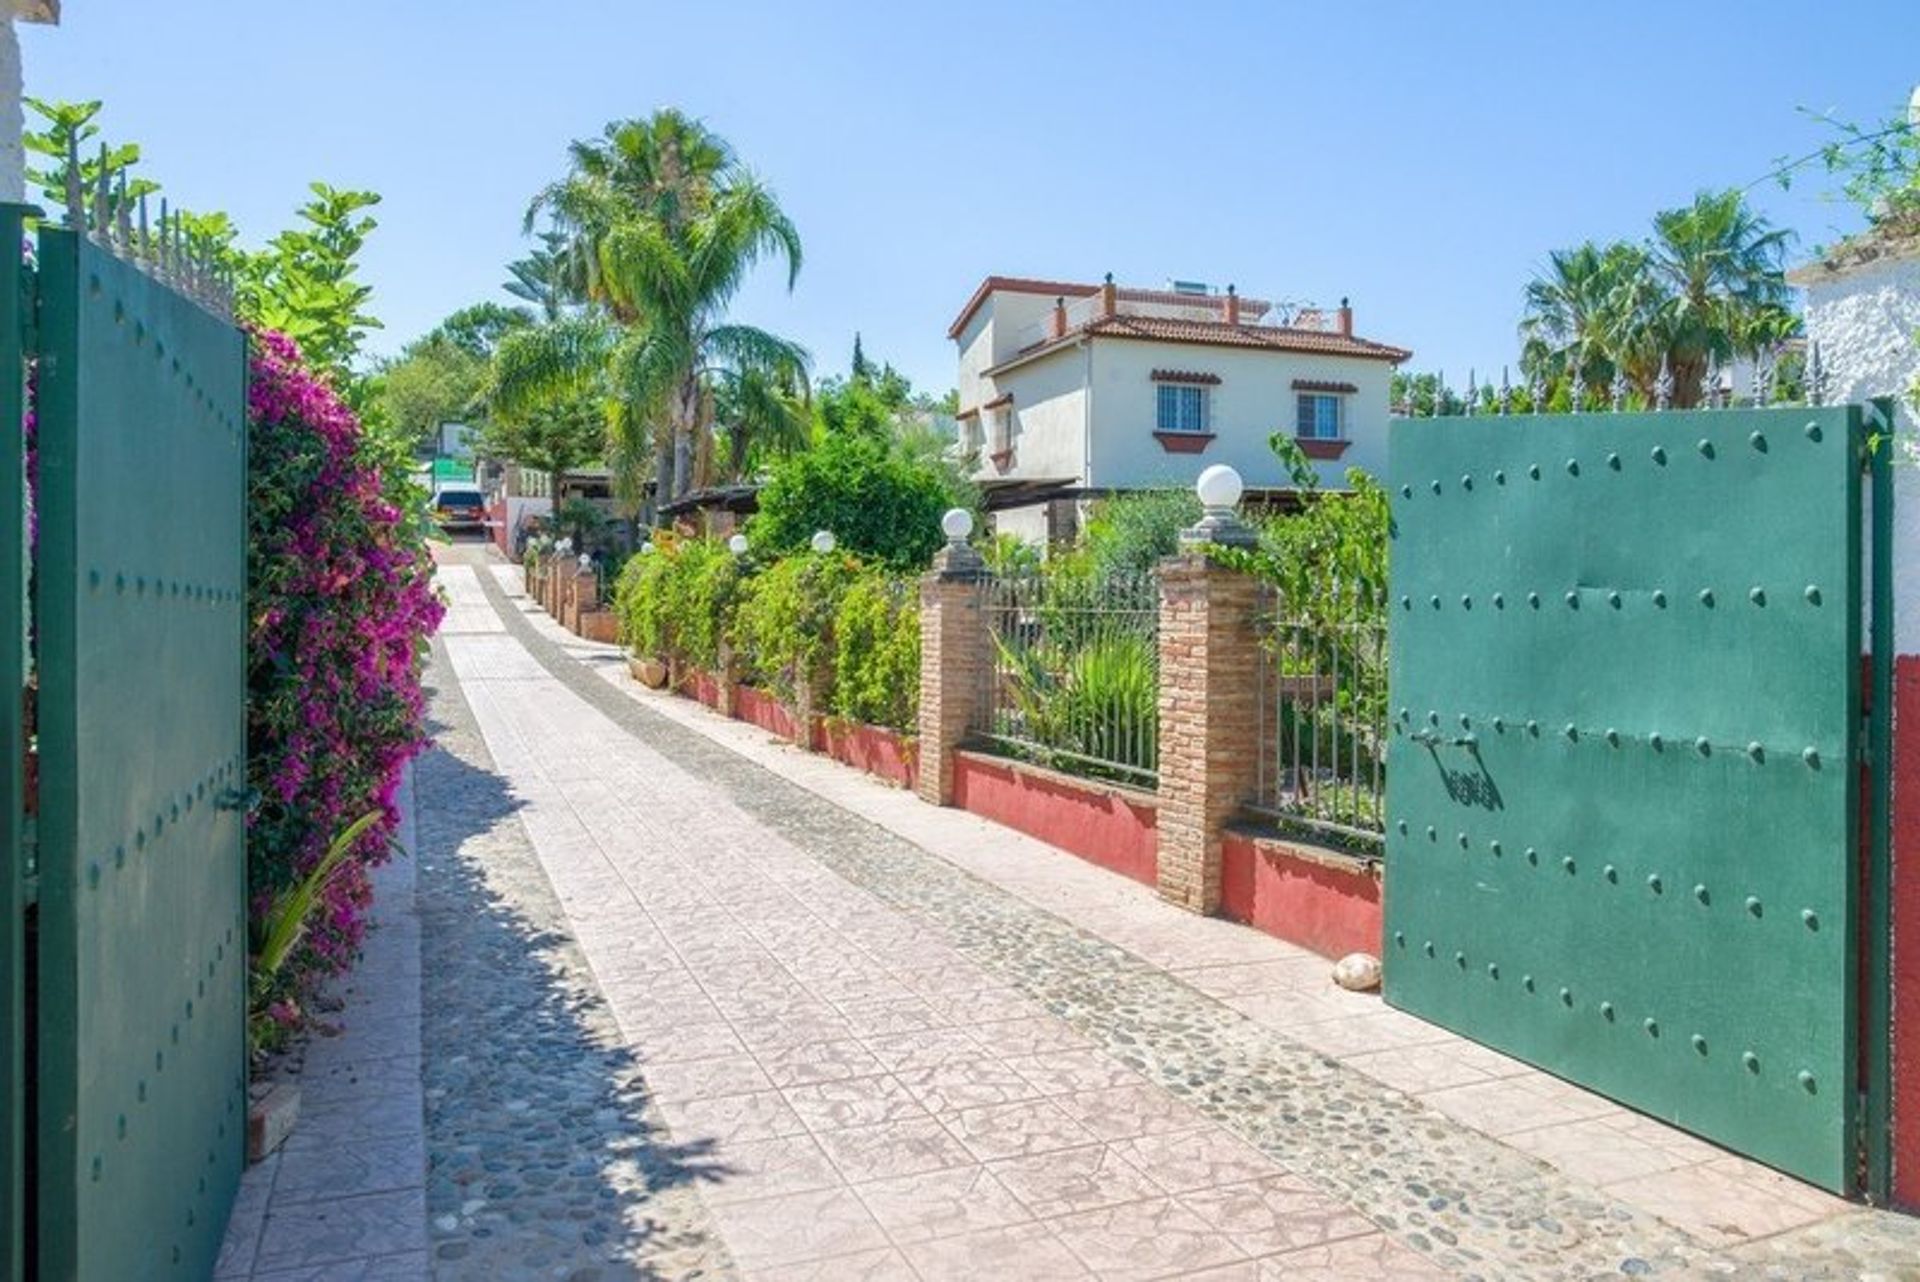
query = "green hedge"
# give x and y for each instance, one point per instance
(850, 626)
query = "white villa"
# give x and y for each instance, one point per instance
(1070, 390)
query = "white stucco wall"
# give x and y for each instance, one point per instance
(1254, 399)
(1049, 418)
(13, 158)
(1865, 321)
(1026, 523)
(976, 355)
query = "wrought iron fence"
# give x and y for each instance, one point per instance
(1073, 677)
(1323, 710)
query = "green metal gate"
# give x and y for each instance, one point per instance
(138, 1077)
(1625, 798)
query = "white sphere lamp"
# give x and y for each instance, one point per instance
(647, 549)
(957, 524)
(737, 545)
(823, 541)
(1219, 487)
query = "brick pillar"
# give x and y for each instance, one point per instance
(1209, 719)
(585, 598)
(953, 663)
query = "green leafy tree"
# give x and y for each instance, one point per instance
(552, 438)
(305, 283)
(434, 381)
(71, 130)
(877, 501)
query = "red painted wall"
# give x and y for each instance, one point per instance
(872, 749)
(1102, 824)
(1906, 931)
(762, 709)
(1334, 910)
(702, 686)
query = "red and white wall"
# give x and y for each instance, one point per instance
(1866, 319)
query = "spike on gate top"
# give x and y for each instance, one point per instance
(1663, 385)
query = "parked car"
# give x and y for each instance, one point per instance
(459, 508)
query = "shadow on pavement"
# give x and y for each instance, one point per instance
(542, 1160)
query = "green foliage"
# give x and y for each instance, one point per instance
(478, 329)
(678, 601)
(1010, 556)
(1099, 699)
(434, 381)
(877, 501)
(70, 129)
(582, 521)
(1709, 284)
(304, 283)
(1878, 165)
(1329, 559)
(277, 932)
(554, 436)
(876, 653)
(1128, 534)
(658, 225)
(784, 628)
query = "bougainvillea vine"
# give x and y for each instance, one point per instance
(341, 605)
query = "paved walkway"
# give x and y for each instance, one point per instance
(697, 1004)
(344, 1199)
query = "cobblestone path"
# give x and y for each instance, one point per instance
(674, 1000)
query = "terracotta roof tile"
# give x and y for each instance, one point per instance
(1217, 334)
(1252, 308)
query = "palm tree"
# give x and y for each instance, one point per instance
(1720, 267)
(762, 412)
(1574, 312)
(1707, 286)
(668, 225)
(665, 168)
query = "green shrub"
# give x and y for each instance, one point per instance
(784, 627)
(677, 601)
(1097, 700)
(876, 653)
(640, 602)
(1129, 534)
(880, 502)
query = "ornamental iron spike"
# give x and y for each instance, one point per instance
(1663, 385)
(1468, 402)
(143, 248)
(1579, 389)
(1619, 389)
(1762, 377)
(1506, 393)
(1816, 375)
(1536, 392)
(1440, 394)
(76, 194)
(102, 199)
(123, 217)
(1710, 383)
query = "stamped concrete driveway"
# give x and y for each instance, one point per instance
(757, 1015)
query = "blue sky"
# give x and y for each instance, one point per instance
(1420, 158)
